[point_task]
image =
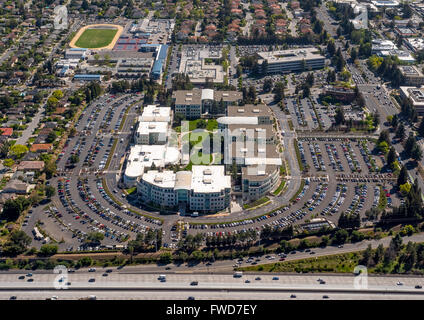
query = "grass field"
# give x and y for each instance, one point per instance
(96, 38)
(340, 263)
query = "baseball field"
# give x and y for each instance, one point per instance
(100, 36)
(96, 38)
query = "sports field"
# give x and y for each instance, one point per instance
(96, 38)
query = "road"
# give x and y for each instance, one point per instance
(119, 284)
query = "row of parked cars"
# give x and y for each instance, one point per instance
(337, 200)
(351, 157)
(105, 213)
(332, 153)
(84, 218)
(117, 206)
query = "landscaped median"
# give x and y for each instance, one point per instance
(299, 159)
(302, 185)
(257, 203)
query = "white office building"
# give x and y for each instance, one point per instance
(142, 157)
(204, 189)
(151, 133)
(285, 61)
(154, 113)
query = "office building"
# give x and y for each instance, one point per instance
(412, 76)
(192, 104)
(416, 95)
(151, 133)
(142, 157)
(293, 60)
(204, 189)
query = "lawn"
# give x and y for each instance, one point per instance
(256, 203)
(96, 38)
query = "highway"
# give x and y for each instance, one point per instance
(127, 285)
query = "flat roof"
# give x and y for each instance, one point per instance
(195, 96)
(280, 56)
(147, 127)
(142, 156)
(164, 179)
(249, 110)
(209, 179)
(154, 113)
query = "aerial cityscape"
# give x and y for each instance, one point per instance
(211, 150)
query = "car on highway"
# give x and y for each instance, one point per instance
(194, 283)
(418, 286)
(325, 297)
(91, 280)
(258, 278)
(293, 296)
(247, 281)
(275, 278)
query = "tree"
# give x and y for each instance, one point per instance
(409, 144)
(267, 87)
(13, 208)
(340, 236)
(94, 238)
(8, 162)
(394, 121)
(403, 176)
(74, 158)
(50, 169)
(50, 191)
(384, 136)
(391, 156)
(383, 147)
(278, 91)
(51, 137)
(339, 116)
(47, 250)
(18, 150)
(405, 188)
(400, 132)
(331, 48)
(165, 257)
(416, 153)
(421, 128)
(17, 244)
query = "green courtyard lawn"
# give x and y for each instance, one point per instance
(96, 38)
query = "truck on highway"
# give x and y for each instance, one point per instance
(238, 274)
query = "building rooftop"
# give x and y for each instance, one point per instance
(290, 55)
(410, 71)
(249, 110)
(143, 156)
(415, 94)
(209, 179)
(31, 165)
(195, 96)
(164, 179)
(147, 127)
(153, 113)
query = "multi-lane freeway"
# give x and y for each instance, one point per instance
(133, 285)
